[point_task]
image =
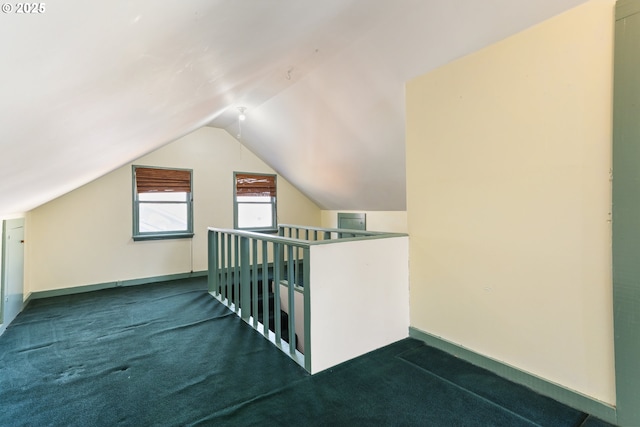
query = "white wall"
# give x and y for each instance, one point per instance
(359, 298)
(509, 201)
(389, 221)
(84, 237)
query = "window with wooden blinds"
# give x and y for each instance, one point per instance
(151, 180)
(162, 203)
(254, 198)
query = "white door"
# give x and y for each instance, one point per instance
(13, 280)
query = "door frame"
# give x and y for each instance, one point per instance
(3, 256)
(4, 272)
(625, 213)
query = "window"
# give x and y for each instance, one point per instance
(162, 203)
(254, 206)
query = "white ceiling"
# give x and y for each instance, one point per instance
(86, 87)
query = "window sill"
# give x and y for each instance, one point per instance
(168, 236)
(260, 230)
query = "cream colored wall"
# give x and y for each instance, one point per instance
(509, 198)
(84, 237)
(390, 221)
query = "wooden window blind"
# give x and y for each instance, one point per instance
(255, 185)
(152, 180)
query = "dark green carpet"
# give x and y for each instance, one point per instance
(169, 354)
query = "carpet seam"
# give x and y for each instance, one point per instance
(232, 408)
(492, 403)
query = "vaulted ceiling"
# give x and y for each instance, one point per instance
(86, 87)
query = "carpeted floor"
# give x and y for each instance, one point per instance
(169, 354)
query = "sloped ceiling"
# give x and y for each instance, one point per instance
(86, 87)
